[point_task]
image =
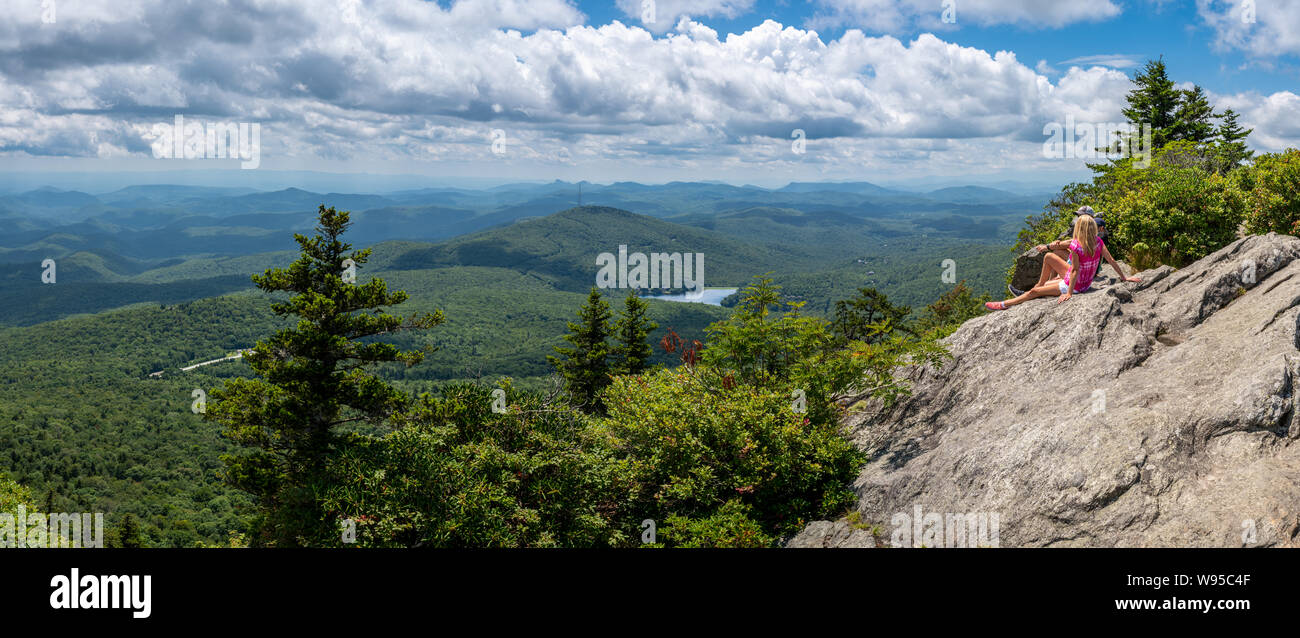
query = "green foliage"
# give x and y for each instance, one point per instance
(942, 317)
(753, 422)
(1272, 192)
(559, 248)
(868, 317)
(1232, 140)
(313, 379)
(1193, 119)
(1178, 209)
(692, 446)
(458, 474)
(893, 272)
(12, 495)
(632, 352)
(128, 534)
(1154, 101)
(757, 347)
(1142, 257)
(585, 363)
(503, 323)
(1179, 212)
(731, 526)
(82, 424)
(80, 418)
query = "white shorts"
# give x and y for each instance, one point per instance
(1064, 287)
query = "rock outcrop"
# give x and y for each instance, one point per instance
(1029, 265)
(823, 534)
(1160, 413)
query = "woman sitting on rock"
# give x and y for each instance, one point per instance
(1063, 278)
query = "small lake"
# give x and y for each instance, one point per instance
(711, 296)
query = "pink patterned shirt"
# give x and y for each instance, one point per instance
(1087, 264)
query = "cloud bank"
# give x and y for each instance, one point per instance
(403, 80)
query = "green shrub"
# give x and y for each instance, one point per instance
(1272, 191)
(752, 424)
(1180, 213)
(1141, 257)
(729, 527)
(460, 475)
(693, 447)
(949, 311)
(13, 494)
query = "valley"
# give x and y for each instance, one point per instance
(153, 278)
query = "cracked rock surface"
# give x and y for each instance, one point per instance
(1153, 414)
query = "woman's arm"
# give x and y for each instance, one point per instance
(1105, 253)
(1074, 278)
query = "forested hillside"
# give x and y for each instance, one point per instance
(151, 279)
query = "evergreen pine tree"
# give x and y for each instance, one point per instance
(312, 380)
(632, 330)
(585, 365)
(1194, 117)
(1153, 101)
(128, 533)
(1232, 139)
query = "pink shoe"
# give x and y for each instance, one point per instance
(995, 305)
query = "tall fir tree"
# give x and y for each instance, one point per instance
(313, 379)
(128, 533)
(1231, 139)
(585, 364)
(1153, 101)
(1194, 119)
(632, 331)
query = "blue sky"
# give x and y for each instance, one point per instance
(757, 91)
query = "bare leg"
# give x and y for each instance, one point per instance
(1053, 266)
(1051, 289)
